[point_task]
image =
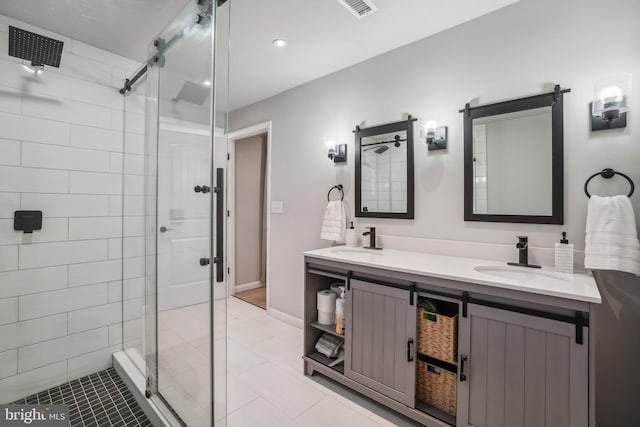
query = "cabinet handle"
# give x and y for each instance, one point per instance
(463, 376)
(409, 352)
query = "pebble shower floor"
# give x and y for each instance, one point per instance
(100, 399)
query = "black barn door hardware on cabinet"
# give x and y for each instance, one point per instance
(463, 376)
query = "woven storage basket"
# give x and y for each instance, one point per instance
(438, 333)
(436, 387)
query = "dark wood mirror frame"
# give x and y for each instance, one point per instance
(405, 125)
(555, 101)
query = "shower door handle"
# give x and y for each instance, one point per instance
(220, 218)
(202, 189)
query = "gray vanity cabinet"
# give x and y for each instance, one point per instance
(521, 370)
(380, 331)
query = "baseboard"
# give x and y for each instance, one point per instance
(135, 382)
(286, 318)
(249, 286)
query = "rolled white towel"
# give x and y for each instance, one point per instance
(611, 236)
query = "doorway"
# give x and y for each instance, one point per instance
(249, 214)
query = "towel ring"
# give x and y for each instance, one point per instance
(336, 187)
(609, 173)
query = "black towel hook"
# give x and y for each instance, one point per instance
(608, 173)
(336, 187)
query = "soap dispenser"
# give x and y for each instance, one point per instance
(564, 255)
(352, 237)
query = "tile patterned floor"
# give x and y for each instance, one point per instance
(100, 399)
(265, 381)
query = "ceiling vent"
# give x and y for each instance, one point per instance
(360, 8)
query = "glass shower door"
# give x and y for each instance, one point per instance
(180, 230)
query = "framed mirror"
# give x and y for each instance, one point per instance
(384, 170)
(513, 160)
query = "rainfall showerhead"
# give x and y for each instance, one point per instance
(193, 93)
(378, 150)
(40, 50)
(381, 149)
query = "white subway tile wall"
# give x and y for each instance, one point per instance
(130, 205)
(61, 151)
(384, 180)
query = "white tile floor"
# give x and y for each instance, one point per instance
(265, 381)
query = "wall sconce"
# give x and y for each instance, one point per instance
(337, 152)
(434, 135)
(611, 102)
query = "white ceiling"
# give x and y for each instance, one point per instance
(322, 35)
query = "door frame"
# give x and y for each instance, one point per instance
(232, 137)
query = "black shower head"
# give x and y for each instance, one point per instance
(40, 50)
(381, 149)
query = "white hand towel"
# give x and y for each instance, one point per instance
(334, 225)
(611, 235)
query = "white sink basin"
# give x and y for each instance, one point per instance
(522, 274)
(356, 251)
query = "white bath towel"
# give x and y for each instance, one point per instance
(334, 224)
(611, 235)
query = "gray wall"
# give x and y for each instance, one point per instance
(523, 49)
(248, 186)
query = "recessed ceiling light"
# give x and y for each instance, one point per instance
(279, 43)
(207, 83)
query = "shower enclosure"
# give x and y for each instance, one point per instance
(174, 270)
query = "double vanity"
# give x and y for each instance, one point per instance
(523, 338)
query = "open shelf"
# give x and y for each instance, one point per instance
(452, 367)
(333, 275)
(330, 329)
(321, 358)
(435, 412)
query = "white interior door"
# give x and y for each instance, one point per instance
(183, 217)
(220, 157)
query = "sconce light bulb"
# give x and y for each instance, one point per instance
(611, 94)
(611, 97)
(431, 125)
(279, 42)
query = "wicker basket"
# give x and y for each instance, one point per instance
(437, 334)
(436, 387)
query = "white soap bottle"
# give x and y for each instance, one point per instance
(564, 255)
(352, 237)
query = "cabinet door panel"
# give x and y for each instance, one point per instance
(496, 353)
(522, 371)
(379, 323)
(514, 376)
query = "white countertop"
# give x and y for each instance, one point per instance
(577, 286)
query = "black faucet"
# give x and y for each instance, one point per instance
(372, 238)
(523, 253)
